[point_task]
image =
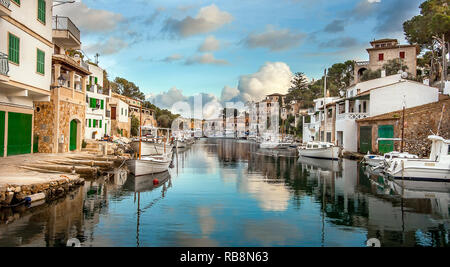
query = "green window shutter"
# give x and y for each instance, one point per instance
(41, 11)
(101, 125)
(14, 49)
(17, 1)
(40, 62)
(96, 80)
(102, 102)
(89, 123)
(90, 80)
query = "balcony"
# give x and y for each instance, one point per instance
(362, 63)
(65, 33)
(352, 116)
(4, 67)
(4, 8)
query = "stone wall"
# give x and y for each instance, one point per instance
(125, 126)
(49, 131)
(420, 122)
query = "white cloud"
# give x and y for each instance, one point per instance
(274, 39)
(272, 77)
(208, 19)
(228, 93)
(89, 19)
(210, 44)
(173, 57)
(111, 46)
(206, 58)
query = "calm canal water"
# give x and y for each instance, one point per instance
(229, 193)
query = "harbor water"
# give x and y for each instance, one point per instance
(224, 192)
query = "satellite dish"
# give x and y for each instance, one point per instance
(404, 75)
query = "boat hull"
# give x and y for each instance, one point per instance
(320, 153)
(422, 174)
(268, 145)
(147, 166)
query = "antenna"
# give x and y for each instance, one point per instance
(96, 58)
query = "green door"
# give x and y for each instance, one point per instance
(365, 139)
(2, 133)
(19, 133)
(385, 131)
(73, 135)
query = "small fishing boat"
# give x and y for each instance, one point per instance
(434, 169)
(149, 164)
(151, 146)
(320, 150)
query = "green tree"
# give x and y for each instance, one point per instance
(127, 88)
(299, 85)
(340, 75)
(394, 65)
(134, 126)
(433, 21)
(164, 121)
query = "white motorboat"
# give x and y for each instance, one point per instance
(321, 150)
(434, 169)
(379, 161)
(268, 144)
(149, 164)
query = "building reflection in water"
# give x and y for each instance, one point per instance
(331, 200)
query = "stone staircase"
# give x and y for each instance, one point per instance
(96, 147)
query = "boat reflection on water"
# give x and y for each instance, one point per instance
(324, 164)
(145, 183)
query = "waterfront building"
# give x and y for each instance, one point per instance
(419, 121)
(60, 124)
(314, 119)
(98, 119)
(372, 98)
(120, 119)
(25, 70)
(134, 105)
(384, 50)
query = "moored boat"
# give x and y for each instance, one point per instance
(321, 150)
(149, 165)
(436, 168)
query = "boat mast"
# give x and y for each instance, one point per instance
(325, 105)
(403, 129)
(140, 130)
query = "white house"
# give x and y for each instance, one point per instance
(373, 98)
(25, 70)
(311, 129)
(98, 122)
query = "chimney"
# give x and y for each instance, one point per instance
(383, 73)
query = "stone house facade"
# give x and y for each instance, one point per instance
(419, 122)
(384, 50)
(59, 124)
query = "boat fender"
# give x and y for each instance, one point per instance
(34, 197)
(155, 181)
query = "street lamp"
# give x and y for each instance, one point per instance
(61, 81)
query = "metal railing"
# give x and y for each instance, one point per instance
(64, 23)
(362, 63)
(4, 64)
(352, 116)
(5, 3)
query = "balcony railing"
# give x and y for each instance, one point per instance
(362, 63)
(65, 24)
(4, 64)
(351, 116)
(5, 3)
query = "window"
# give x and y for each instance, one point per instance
(100, 124)
(17, 2)
(95, 123)
(402, 54)
(380, 57)
(101, 104)
(328, 137)
(364, 107)
(93, 103)
(89, 123)
(41, 11)
(40, 68)
(96, 80)
(14, 49)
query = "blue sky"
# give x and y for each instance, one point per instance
(230, 49)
